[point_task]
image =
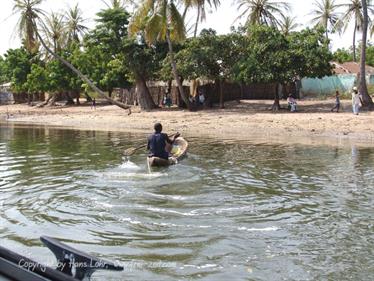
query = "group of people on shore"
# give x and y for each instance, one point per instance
(291, 101)
(198, 100)
(356, 101)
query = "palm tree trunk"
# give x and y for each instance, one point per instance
(175, 71)
(366, 99)
(276, 103)
(69, 99)
(78, 95)
(82, 76)
(221, 96)
(145, 99)
(197, 22)
(354, 42)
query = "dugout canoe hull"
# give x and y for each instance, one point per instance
(178, 151)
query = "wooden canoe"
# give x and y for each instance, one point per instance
(178, 151)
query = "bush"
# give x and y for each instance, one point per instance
(371, 89)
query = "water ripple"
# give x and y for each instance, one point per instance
(229, 211)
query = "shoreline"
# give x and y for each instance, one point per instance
(249, 120)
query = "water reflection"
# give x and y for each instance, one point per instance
(238, 211)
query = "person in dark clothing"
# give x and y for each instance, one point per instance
(157, 143)
(337, 102)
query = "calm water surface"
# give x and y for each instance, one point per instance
(227, 212)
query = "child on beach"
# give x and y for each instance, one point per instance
(93, 105)
(291, 103)
(337, 102)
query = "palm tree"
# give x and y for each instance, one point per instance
(112, 4)
(55, 32)
(353, 10)
(288, 24)
(200, 6)
(29, 13)
(325, 15)
(28, 24)
(263, 12)
(75, 24)
(367, 101)
(160, 20)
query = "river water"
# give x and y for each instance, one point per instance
(230, 211)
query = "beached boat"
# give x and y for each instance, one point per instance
(72, 264)
(178, 151)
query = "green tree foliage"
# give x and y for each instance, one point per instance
(309, 54)
(273, 57)
(198, 57)
(210, 56)
(160, 21)
(370, 55)
(103, 59)
(343, 55)
(61, 78)
(270, 56)
(17, 66)
(265, 59)
(3, 74)
(28, 25)
(37, 79)
(143, 63)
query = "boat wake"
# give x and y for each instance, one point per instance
(130, 171)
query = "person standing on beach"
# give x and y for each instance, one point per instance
(93, 105)
(356, 101)
(337, 102)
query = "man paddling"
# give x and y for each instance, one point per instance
(157, 143)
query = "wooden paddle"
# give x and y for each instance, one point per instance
(130, 151)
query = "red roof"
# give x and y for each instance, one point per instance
(350, 68)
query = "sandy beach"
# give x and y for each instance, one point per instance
(247, 120)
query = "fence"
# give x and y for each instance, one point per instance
(6, 98)
(328, 85)
(231, 91)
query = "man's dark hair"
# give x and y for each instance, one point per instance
(158, 127)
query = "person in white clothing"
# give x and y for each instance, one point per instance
(356, 101)
(292, 105)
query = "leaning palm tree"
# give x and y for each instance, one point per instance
(325, 15)
(28, 24)
(160, 20)
(200, 6)
(353, 11)
(75, 24)
(263, 12)
(288, 24)
(29, 12)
